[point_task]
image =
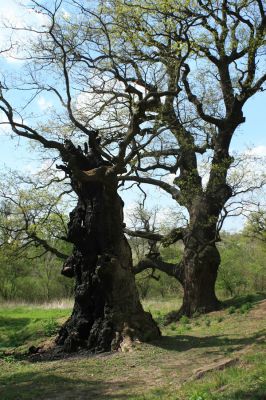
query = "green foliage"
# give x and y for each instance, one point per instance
(163, 286)
(199, 396)
(38, 279)
(8, 358)
(159, 317)
(242, 266)
(32, 279)
(28, 272)
(241, 270)
(245, 308)
(173, 327)
(50, 327)
(256, 227)
(26, 276)
(231, 310)
(184, 320)
(207, 322)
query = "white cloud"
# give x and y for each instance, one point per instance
(66, 15)
(4, 125)
(14, 14)
(44, 104)
(257, 151)
(169, 178)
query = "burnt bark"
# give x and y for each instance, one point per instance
(107, 313)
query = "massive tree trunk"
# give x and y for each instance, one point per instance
(197, 270)
(201, 257)
(200, 265)
(107, 313)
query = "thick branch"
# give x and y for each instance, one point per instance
(160, 153)
(144, 235)
(172, 237)
(175, 270)
(163, 185)
(26, 131)
(197, 103)
(41, 242)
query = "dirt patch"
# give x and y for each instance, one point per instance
(260, 311)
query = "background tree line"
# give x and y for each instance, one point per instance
(28, 275)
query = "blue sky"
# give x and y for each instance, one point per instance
(253, 132)
(15, 153)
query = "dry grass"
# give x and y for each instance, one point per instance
(52, 305)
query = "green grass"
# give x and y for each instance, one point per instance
(165, 369)
(21, 327)
(240, 301)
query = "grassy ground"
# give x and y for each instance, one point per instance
(218, 356)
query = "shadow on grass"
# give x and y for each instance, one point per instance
(13, 331)
(259, 393)
(241, 300)
(32, 385)
(187, 342)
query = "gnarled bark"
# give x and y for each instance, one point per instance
(197, 273)
(197, 270)
(200, 272)
(107, 312)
